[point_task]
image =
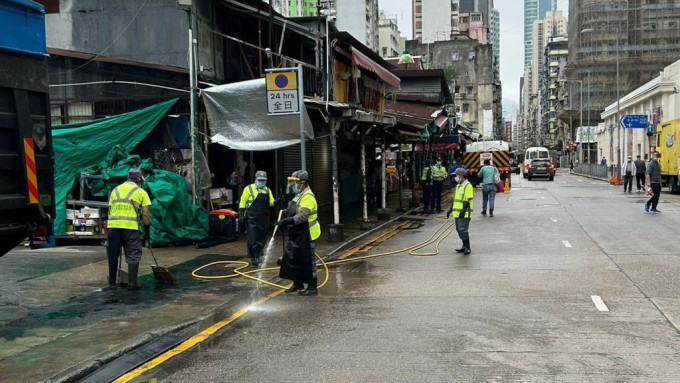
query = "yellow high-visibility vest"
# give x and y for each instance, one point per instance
(463, 192)
(307, 200)
(125, 203)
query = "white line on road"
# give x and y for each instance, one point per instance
(553, 219)
(566, 243)
(599, 304)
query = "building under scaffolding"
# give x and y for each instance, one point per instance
(648, 34)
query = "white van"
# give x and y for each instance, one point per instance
(532, 154)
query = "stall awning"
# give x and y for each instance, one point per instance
(237, 114)
(363, 61)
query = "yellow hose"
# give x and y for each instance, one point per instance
(437, 237)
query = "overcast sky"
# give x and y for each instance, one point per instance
(512, 39)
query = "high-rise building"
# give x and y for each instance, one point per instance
(648, 37)
(360, 19)
(495, 34)
(534, 10)
(390, 38)
(435, 20)
(491, 20)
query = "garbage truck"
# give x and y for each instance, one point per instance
(26, 159)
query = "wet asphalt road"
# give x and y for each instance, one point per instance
(522, 307)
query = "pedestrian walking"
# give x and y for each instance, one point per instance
(486, 176)
(571, 166)
(640, 167)
(438, 177)
(628, 170)
(298, 263)
(126, 202)
(256, 202)
(426, 185)
(653, 178)
(462, 208)
(603, 161)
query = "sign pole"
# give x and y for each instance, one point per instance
(301, 100)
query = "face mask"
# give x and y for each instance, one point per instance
(296, 190)
(459, 179)
(439, 163)
(259, 184)
(655, 159)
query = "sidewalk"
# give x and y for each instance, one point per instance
(57, 324)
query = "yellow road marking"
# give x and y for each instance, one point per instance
(189, 343)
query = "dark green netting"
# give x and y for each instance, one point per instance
(102, 147)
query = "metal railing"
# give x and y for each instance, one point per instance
(597, 170)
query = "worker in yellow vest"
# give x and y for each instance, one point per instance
(462, 208)
(439, 174)
(253, 210)
(298, 263)
(126, 202)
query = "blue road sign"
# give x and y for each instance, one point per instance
(634, 121)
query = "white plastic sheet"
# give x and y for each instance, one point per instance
(237, 114)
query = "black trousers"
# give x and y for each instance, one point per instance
(627, 182)
(436, 198)
(427, 193)
(463, 228)
(131, 241)
(313, 283)
(640, 179)
(656, 192)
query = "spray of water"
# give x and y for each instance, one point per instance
(265, 260)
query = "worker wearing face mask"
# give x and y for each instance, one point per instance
(253, 209)
(298, 263)
(439, 174)
(462, 208)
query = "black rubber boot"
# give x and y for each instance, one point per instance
(467, 249)
(297, 286)
(310, 290)
(483, 212)
(462, 248)
(490, 213)
(133, 283)
(112, 275)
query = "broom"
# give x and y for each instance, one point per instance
(160, 273)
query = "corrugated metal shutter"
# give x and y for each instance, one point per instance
(318, 164)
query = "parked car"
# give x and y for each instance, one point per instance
(514, 166)
(541, 168)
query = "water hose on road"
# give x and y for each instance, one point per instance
(444, 230)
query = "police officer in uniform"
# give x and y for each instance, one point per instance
(298, 263)
(439, 174)
(253, 210)
(426, 184)
(462, 208)
(126, 202)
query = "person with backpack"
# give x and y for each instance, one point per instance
(488, 176)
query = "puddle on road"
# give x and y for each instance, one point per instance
(99, 305)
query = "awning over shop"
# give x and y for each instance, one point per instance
(363, 61)
(237, 114)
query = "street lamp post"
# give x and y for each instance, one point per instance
(588, 137)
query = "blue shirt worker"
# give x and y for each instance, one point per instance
(462, 208)
(253, 210)
(298, 263)
(439, 174)
(126, 202)
(489, 188)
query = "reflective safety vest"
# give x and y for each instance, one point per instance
(252, 192)
(426, 174)
(463, 191)
(125, 203)
(307, 200)
(438, 173)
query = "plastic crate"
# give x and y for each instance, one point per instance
(224, 224)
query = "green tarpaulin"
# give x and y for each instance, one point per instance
(88, 147)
